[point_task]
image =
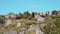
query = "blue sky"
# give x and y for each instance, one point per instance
(17, 6)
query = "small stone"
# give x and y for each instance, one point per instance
(19, 24)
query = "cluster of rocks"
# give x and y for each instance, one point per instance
(33, 29)
(40, 17)
(25, 30)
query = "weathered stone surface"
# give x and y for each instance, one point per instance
(8, 22)
(39, 32)
(18, 24)
(34, 27)
(37, 16)
(10, 32)
(40, 19)
(23, 32)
